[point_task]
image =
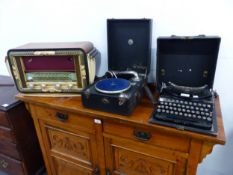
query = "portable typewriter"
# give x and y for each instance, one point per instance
(185, 74)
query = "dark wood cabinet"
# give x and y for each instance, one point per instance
(19, 148)
(80, 141)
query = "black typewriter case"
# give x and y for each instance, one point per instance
(186, 61)
(129, 49)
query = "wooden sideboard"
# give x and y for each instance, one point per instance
(79, 141)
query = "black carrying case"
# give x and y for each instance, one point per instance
(129, 48)
(187, 61)
(129, 44)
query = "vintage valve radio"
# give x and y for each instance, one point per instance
(53, 67)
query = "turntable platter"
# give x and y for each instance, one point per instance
(112, 85)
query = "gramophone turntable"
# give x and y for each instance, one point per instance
(129, 56)
(116, 92)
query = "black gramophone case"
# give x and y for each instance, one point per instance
(129, 48)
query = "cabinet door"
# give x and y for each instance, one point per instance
(69, 152)
(126, 157)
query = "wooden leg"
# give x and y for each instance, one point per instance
(194, 157)
(100, 146)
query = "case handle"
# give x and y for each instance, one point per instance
(142, 135)
(62, 117)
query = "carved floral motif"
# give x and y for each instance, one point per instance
(137, 166)
(69, 144)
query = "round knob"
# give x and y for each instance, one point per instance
(70, 86)
(57, 86)
(31, 86)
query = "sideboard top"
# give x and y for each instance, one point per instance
(139, 117)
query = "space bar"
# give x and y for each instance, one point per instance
(186, 122)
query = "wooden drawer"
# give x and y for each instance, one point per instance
(9, 149)
(10, 165)
(75, 121)
(3, 119)
(6, 134)
(149, 137)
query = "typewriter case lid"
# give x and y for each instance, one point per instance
(129, 44)
(187, 61)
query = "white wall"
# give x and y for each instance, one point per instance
(23, 21)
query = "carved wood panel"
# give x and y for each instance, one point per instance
(69, 144)
(126, 157)
(129, 162)
(64, 167)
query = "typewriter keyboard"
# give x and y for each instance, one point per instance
(185, 112)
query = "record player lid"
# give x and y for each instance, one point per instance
(129, 44)
(187, 61)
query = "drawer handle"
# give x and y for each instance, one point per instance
(62, 117)
(3, 164)
(141, 135)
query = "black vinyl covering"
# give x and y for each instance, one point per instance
(187, 61)
(129, 44)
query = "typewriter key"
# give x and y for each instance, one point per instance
(208, 118)
(158, 110)
(204, 118)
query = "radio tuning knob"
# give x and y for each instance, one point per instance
(31, 86)
(57, 86)
(70, 86)
(43, 87)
